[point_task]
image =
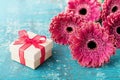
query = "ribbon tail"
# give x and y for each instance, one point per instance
(21, 53)
(42, 59)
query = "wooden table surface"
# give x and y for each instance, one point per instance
(35, 16)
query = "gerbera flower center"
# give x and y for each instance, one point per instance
(69, 29)
(83, 11)
(114, 9)
(118, 30)
(92, 45)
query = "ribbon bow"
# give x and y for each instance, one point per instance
(36, 41)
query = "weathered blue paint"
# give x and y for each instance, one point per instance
(35, 16)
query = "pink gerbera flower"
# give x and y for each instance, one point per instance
(91, 46)
(87, 9)
(63, 25)
(110, 6)
(112, 26)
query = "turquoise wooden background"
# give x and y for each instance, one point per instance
(35, 16)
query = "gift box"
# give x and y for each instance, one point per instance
(31, 49)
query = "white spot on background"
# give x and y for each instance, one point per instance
(52, 76)
(101, 75)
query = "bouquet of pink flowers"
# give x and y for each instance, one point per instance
(90, 28)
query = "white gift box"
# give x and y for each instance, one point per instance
(32, 54)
